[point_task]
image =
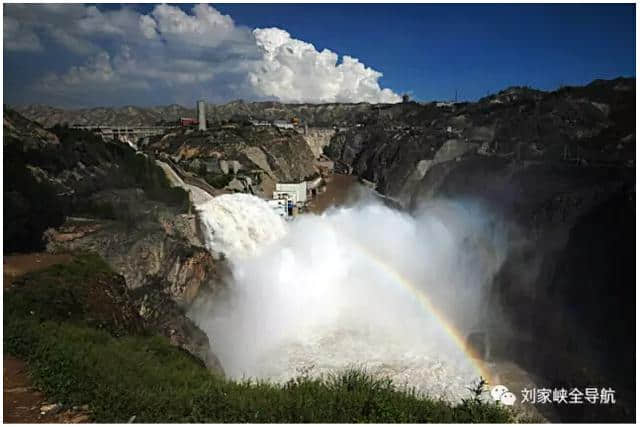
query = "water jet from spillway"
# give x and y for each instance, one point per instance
(239, 224)
(349, 288)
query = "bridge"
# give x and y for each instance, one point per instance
(118, 132)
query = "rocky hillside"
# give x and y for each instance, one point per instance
(322, 115)
(344, 115)
(124, 116)
(238, 156)
(559, 170)
(70, 191)
(30, 134)
(592, 125)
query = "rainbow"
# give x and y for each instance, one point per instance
(425, 303)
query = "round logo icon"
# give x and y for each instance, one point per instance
(497, 391)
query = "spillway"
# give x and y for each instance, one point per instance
(197, 195)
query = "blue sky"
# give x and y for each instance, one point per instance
(434, 49)
(430, 51)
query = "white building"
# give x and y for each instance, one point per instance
(283, 124)
(296, 192)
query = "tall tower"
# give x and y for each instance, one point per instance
(202, 115)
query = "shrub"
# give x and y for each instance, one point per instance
(85, 292)
(146, 174)
(218, 180)
(137, 169)
(30, 207)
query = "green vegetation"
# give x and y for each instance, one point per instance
(30, 207)
(81, 146)
(85, 292)
(217, 180)
(137, 169)
(152, 179)
(78, 356)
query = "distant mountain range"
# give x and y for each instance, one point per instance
(324, 115)
(314, 114)
(124, 116)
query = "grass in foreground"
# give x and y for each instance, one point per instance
(77, 363)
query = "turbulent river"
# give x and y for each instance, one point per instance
(362, 286)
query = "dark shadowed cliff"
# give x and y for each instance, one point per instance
(559, 168)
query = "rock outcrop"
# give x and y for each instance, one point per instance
(120, 205)
(240, 157)
(30, 134)
(164, 265)
(318, 138)
(162, 315)
(169, 251)
(583, 125)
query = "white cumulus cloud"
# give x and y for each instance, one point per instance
(293, 70)
(180, 56)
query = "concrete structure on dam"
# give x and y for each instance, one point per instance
(202, 115)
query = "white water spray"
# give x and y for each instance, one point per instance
(238, 225)
(323, 292)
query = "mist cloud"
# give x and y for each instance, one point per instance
(340, 289)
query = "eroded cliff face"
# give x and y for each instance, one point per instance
(318, 138)
(118, 204)
(239, 157)
(592, 125)
(169, 251)
(163, 263)
(557, 168)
